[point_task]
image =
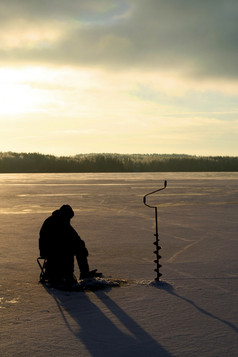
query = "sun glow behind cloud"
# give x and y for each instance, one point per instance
(16, 94)
(29, 37)
(91, 111)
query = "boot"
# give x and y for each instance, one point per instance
(90, 274)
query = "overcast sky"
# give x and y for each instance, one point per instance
(125, 76)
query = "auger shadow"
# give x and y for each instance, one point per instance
(169, 288)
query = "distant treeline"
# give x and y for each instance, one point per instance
(35, 162)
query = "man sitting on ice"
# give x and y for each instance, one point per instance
(59, 243)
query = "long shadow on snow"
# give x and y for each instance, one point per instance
(169, 288)
(100, 335)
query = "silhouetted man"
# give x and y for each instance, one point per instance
(59, 243)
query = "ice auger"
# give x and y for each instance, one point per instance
(156, 243)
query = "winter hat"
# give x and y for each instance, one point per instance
(67, 211)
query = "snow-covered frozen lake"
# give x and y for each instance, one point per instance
(195, 311)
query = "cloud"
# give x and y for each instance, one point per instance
(198, 38)
(58, 9)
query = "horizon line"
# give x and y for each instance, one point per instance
(114, 153)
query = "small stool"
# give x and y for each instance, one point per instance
(43, 268)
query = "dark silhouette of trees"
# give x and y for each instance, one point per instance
(35, 162)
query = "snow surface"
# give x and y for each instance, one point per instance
(193, 312)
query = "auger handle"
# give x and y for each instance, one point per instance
(150, 193)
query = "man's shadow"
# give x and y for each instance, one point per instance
(100, 335)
